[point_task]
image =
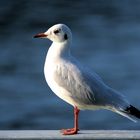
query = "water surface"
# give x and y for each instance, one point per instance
(106, 37)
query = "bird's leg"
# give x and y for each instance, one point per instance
(74, 130)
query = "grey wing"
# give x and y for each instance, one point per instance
(70, 77)
(86, 87)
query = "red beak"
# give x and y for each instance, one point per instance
(40, 35)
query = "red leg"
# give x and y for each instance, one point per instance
(74, 130)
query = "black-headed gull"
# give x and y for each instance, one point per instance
(75, 83)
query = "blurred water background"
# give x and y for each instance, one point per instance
(106, 37)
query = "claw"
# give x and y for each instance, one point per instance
(70, 131)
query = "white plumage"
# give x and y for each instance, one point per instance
(75, 83)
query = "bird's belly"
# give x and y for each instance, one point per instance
(58, 90)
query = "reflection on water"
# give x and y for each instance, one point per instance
(106, 36)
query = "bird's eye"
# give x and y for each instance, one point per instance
(56, 31)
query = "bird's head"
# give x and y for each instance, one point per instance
(57, 33)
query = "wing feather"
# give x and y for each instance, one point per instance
(86, 87)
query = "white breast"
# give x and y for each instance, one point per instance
(49, 70)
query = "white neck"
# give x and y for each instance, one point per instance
(59, 50)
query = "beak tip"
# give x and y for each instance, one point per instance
(35, 36)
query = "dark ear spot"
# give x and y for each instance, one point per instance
(65, 37)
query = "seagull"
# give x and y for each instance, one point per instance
(75, 83)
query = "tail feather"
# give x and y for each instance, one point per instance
(126, 115)
(131, 110)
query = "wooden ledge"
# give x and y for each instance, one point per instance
(55, 134)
